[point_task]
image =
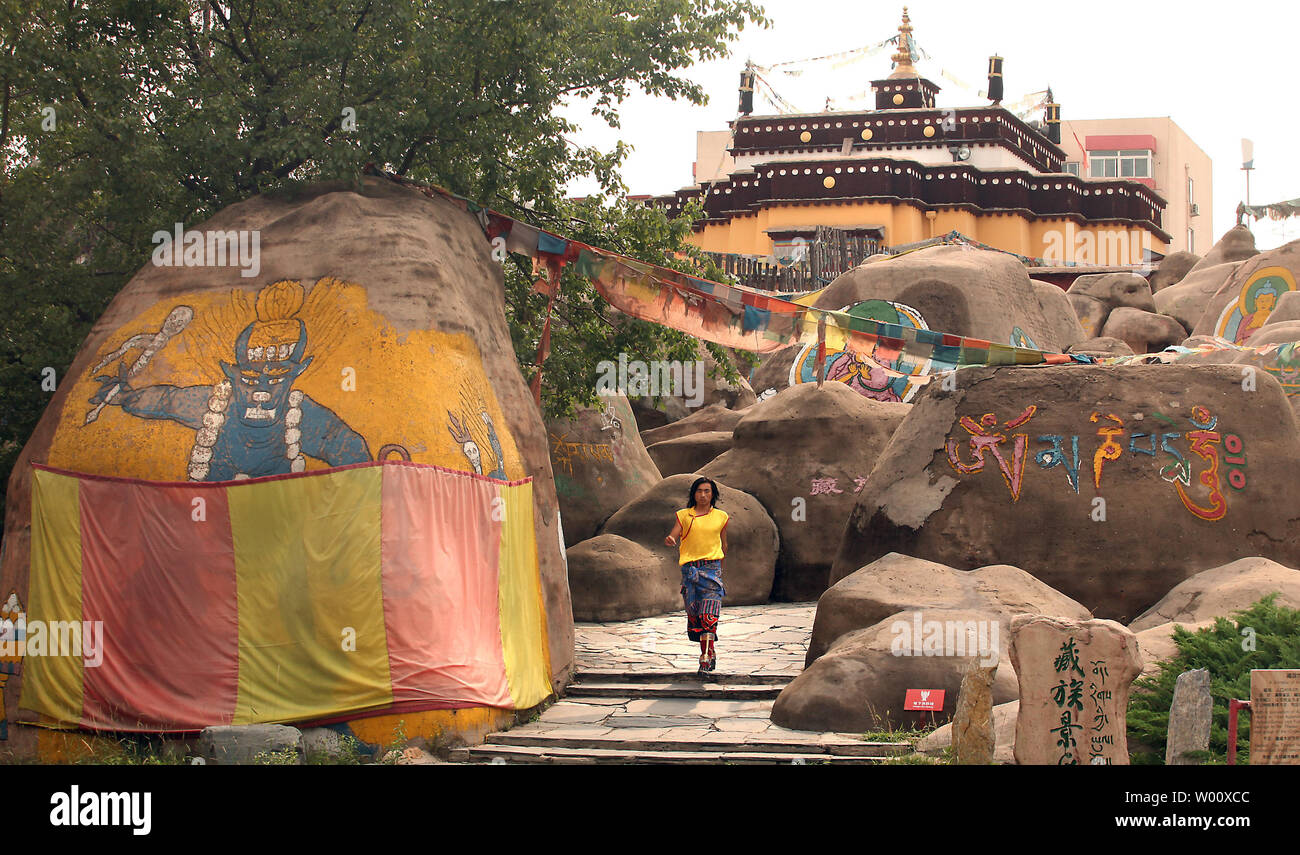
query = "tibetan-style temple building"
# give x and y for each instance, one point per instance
(908, 171)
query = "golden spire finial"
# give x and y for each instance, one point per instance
(903, 57)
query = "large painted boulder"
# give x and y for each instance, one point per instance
(752, 538)
(600, 465)
(950, 289)
(861, 682)
(805, 454)
(1188, 299)
(897, 583)
(1110, 484)
(1244, 303)
(369, 324)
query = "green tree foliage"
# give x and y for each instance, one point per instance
(119, 118)
(1229, 655)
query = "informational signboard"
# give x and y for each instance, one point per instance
(1275, 717)
(924, 699)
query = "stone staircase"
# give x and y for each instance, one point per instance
(670, 717)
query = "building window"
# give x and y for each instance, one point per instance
(1072, 168)
(1124, 163)
(1191, 196)
(1191, 241)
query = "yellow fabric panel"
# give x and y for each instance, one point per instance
(810, 298)
(307, 565)
(53, 685)
(523, 622)
(701, 535)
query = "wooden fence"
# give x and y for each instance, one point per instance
(830, 253)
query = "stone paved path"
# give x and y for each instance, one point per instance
(638, 698)
(766, 639)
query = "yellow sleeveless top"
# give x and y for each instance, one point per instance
(701, 535)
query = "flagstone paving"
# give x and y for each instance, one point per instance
(638, 698)
(765, 639)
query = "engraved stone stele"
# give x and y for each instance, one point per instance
(972, 724)
(1275, 717)
(1074, 685)
(1189, 718)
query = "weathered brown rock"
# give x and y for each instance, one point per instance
(801, 453)
(1114, 290)
(1074, 681)
(1237, 244)
(973, 739)
(689, 453)
(751, 535)
(399, 287)
(713, 417)
(600, 465)
(612, 578)
(1144, 332)
(1059, 314)
(896, 583)
(1172, 268)
(1091, 314)
(1186, 302)
(1189, 718)
(1222, 591)
(861, 682)
(1004, 735)
(1149, 535)
(1101, 346)
(1157, 644)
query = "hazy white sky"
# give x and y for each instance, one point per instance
(1221, 70)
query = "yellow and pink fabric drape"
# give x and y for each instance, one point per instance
(367, 588)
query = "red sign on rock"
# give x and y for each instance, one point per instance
(923, 699)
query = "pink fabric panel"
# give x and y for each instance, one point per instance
(163, 583)
(441, 611)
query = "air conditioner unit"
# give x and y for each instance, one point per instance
(1196, 210)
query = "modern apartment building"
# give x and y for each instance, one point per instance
(1157, 153)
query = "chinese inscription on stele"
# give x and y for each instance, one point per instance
(1074, 684)
(1275, 717)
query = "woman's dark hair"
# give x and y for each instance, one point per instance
(690, 498)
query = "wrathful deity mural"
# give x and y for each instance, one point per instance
(879, 372)
(289, 378)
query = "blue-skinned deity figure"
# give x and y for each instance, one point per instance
(253, 423)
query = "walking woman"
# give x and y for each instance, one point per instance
(701, 533)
